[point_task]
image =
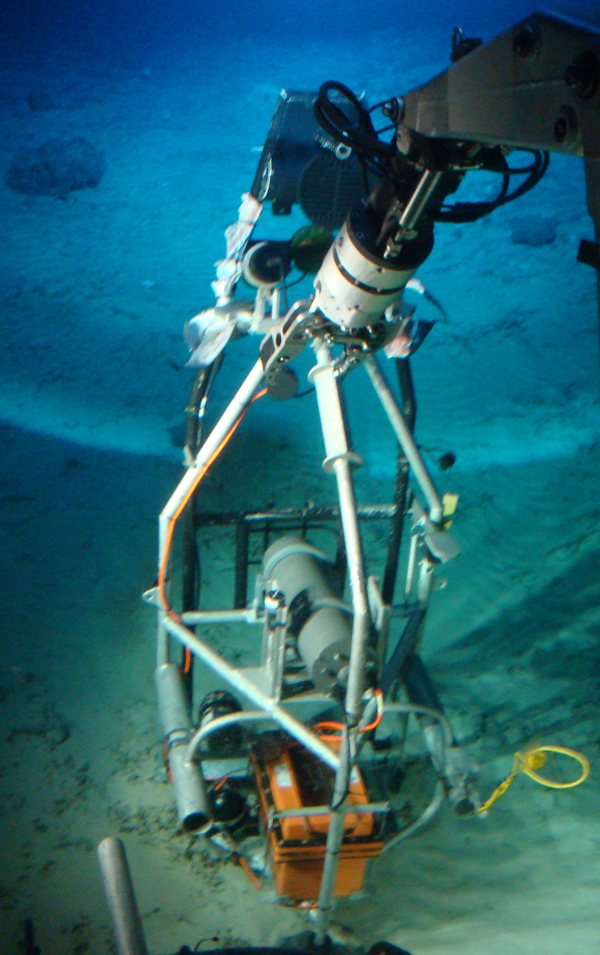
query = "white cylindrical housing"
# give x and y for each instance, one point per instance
(353, 288)
(321, 621)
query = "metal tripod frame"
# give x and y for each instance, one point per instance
(370, 608)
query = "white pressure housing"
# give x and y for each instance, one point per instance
(353, 288)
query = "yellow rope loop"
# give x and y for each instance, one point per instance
(536, 758)
(529, 763)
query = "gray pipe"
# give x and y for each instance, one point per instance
(120, 896)
(335, 837)
(405, 438)
(338, 460)
(192, 801)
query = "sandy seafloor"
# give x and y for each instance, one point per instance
(95, 290)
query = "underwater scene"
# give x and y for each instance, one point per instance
(300, 437)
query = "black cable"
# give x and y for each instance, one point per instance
(359, 134)
(519, 170)
(342, 800)
(212, 938)
(288, 285)
(471, 211)
(303, 394)
(375, 155)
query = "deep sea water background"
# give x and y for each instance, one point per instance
(95, 287)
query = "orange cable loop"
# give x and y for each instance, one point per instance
(332, 725)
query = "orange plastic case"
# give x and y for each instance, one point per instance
(296, 779)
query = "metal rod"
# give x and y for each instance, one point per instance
(407, 442)
(419, 198)
(359, 809)
(361, 620)
(191, 582)
(195, 617)
(338, 459)
(335, 836)
(228, 419)
(162, 640)
(409, 409)
(120, 895)
(242, 537)
(414, 209)
(247, 688)
(319, 512)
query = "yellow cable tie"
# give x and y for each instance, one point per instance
(501, 789)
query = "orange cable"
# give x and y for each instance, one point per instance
(220, 783)
(251, 875)
(377, 719)
(332, 725)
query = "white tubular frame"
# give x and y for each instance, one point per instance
(261, 688)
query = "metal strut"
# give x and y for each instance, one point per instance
(339, 460)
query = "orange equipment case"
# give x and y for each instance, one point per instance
(296, 779)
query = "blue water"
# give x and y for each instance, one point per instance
(95, 287)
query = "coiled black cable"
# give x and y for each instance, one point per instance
(354, 128)
(359, 134)
(382, 159)
(471, 211)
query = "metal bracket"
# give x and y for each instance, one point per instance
(440, 543)
(589, 253)
(274, 635)
(284, 342)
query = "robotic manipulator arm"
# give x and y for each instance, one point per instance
(534, 88)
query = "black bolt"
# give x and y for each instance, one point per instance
(583, 75)
(394, 109)
(565, 125)
(525, 41)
